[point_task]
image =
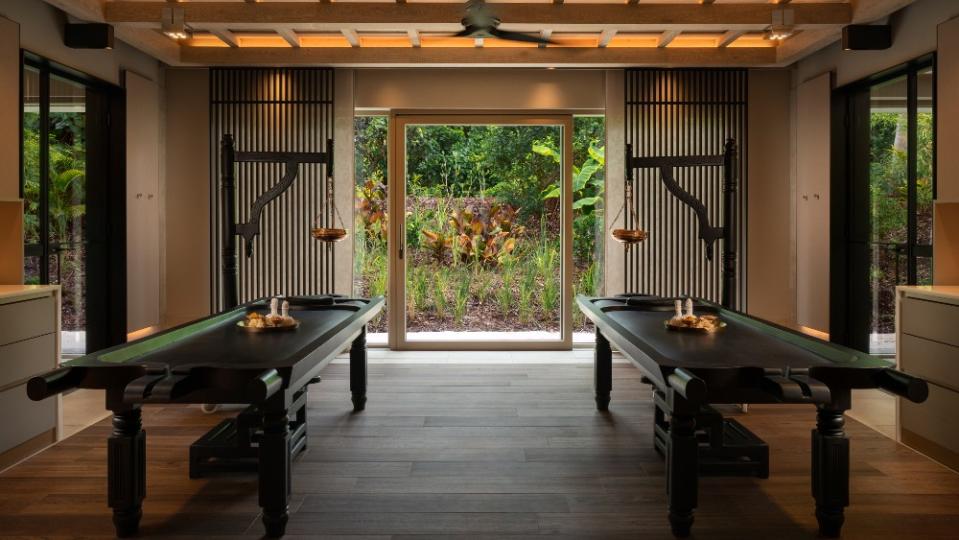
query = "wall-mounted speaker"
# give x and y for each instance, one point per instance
(866, 37)
(88, 36)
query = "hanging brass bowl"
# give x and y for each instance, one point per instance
(328, 234)
(629, 236)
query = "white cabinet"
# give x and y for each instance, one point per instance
(143, 202)
(29, 345)
(812, 203)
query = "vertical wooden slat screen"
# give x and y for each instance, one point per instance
(274, 110)
(676, 112)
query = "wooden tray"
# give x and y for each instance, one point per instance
(266, 329)
(695, 330)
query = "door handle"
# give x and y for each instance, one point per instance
(401, 253)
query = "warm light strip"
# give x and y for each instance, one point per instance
(324, 40)
(574, 40)
(696, 40)
(634, 40)
(752, 41)
(446, 41)
(814, 333)
(142, 333)
(261, 40)
(205, 40)
(385, 40)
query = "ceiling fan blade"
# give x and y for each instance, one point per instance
(465, 32)
(519, 36)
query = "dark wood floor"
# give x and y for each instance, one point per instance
(486, 451)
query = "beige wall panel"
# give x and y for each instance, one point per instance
(187, 195)
(913, 36)
(812, 203)
(143, 219)
(947, 122)
(41, 32)
(615, 263)
(9, 109)
(945, 238)
(770, 284)
(343, 180)
(480, 89)
(11, 242)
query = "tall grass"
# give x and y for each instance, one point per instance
(461, 297)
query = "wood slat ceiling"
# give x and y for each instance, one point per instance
(417, 32)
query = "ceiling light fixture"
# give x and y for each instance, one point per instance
(173, 25)
(782, 26)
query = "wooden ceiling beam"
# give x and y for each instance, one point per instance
(290, 36)
(496, 56)
(730, 37)
(666, 38)
(419, 14)
(224, 35)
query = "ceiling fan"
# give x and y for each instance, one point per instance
(480, 22)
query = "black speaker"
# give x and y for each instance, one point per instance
(88, 36)
(866, 37)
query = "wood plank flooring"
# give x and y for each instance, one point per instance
(485, 451)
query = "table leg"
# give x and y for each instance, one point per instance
(602, 371)
(682, 471)
(830, 470)
(358, 371)
(126, 470)
(274, 470)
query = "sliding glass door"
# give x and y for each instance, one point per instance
(891, 143)
(481, 262)
(65, 170)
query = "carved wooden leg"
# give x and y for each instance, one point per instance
(126, 470)
(830, 470)
(274, 470)
(358, 371)
(602, 371)
(682, 469)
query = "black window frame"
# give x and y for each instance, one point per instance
(848, 321)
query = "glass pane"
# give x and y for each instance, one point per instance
(887, 270)
(370, 262)
(31, 169)
(923, 270)
(924, 162)
(589, 162)
(483, 244)
(67, 206)
(888, 176)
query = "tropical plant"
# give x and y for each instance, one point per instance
(371, 208)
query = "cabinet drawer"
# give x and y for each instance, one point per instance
(935, 419)
(936, 362)
(24, 419)
(930, 320)
(27, 358)
(26, 319)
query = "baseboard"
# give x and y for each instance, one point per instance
(27, 448)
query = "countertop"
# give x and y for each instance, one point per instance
(15, 293)
(938, 293)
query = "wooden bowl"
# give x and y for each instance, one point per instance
(629, 236)
(326, 234)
